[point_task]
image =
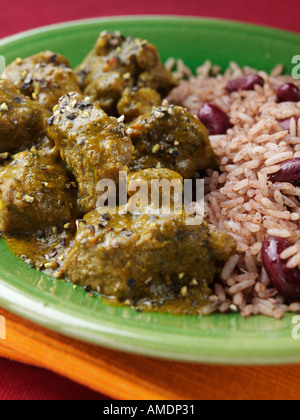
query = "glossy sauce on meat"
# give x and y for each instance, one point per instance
(61, 132)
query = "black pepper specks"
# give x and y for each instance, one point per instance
(17, 100)
(131, 283)
(105, 216)
(40, 234)
(62, 242)
(71, 116)
(53, 58)
(81, 142)
(83, 105)
(103, 224)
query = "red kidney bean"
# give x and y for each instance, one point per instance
(288, 92)
(288, 172)
(246, 82)
(214, 119)
(285, 280)
(285, 124)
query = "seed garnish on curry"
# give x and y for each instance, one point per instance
(63, 131)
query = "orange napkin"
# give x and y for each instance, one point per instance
(125, 376)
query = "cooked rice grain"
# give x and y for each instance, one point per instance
(239, 198)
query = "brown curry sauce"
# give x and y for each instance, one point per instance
(152, 264)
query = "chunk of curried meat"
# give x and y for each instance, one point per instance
(170, 137)
(93, 145)
(116, 63)
(23, 122)
(35, 193)
(141, 255)
(44, 77)
(136, 102)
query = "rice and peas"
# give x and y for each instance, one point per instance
(239, 198)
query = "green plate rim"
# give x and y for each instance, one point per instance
(65, 320)
(213, 21)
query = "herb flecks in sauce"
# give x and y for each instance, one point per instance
(60, 133)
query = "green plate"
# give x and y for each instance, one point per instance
(55, 305)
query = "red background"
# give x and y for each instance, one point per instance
(19, 15)
(24, 382)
